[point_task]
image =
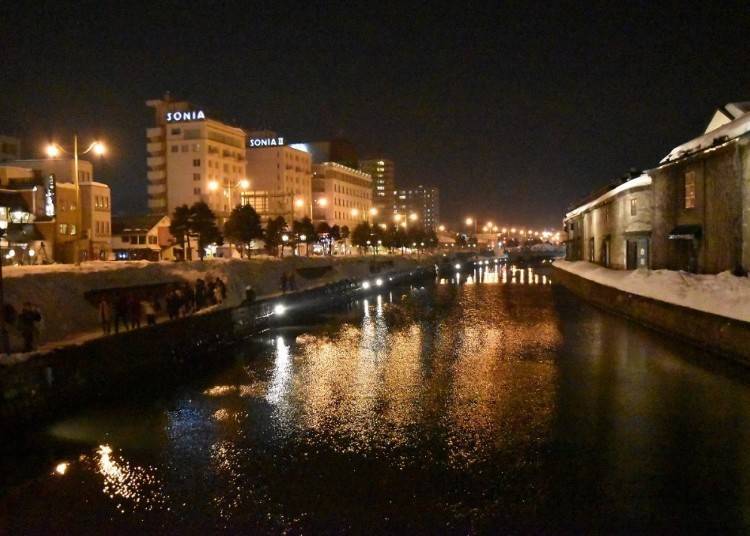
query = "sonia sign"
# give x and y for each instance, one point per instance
(265, 142)
(194, 115)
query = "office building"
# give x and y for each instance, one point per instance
(341, 195)
(192, 158)
(383, 176)
(424, 201)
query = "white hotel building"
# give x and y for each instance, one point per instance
(341, 195)
(193, 158)
(280, 178)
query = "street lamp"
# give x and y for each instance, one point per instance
(471, 221)
(441, 228)
(413, 216)
(4, 342)
(53, 151)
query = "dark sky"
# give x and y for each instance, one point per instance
(512, 111)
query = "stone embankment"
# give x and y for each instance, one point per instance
(37, 385)
(67, 296)
(717, 334)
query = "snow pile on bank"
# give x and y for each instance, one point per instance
(59, 290)
(723, 294)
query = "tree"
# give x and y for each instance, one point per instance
(361, 235)
(304, 228)
(344, 232)
(274, 229)
(243, 226)
(336, 232)
(179, 227)
(203, 227)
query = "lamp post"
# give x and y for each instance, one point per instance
(53, 151)
(4, 343)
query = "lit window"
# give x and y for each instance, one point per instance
(690, 189)
(633, 207)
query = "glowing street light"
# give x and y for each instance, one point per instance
(373, 211)
(213, 185)
(244, 184)
(413, 216)
(54, 150)
(355, 212)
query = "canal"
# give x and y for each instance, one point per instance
(497, 404)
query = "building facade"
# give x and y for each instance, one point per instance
(193, 158)
(613, 228)
(341, 195)
(90, 223)
(338, 150)
(702, 200)
(424, 201)
(280, 178)
(144, 238)
(383, 175)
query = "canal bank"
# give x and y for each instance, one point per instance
(715, 333)
(39, 385)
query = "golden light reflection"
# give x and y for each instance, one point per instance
(61, 468)
(132, 486)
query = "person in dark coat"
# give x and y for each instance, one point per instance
(134, 312)
(121, 313)
(284, 282)
(27, 320)
(200, 294)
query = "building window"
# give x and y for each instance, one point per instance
(197, 191)
(185, 148)
(176, 131)
(197, 162)
(175, 148)
(63, 228)
(152, 239)
(633, 207)
(73, 229)
(196, 176)
(690, 189)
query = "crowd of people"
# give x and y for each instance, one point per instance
(129, 311)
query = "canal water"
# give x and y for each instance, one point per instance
(497, 403)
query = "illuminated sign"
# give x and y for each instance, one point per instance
(194, 115)
(50, 196)
(265, 142)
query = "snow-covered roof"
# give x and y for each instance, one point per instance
(726, 114)
(726, 132)
(641, 180)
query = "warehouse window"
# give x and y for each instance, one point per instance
(690, 189)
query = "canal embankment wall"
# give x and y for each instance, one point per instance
(41, 384)
(67, 296)
(715, 333)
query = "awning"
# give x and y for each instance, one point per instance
(23, 233)
(685, 232)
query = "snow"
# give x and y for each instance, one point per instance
(736, 128)
(722, 294)
(637, 182)
(68, 318)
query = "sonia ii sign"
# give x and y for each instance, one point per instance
(190, 115)
(265, 142)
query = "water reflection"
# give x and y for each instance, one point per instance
(490, 406)
(500, 274)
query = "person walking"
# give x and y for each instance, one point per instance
(134, 312)
(284, 282)
(105, 315)
(200, 294)
(27, 321)
(291, 282)
(147, 306)
(121, 313)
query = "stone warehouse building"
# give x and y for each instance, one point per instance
(612, 227)
(701, 195)
(691, 212)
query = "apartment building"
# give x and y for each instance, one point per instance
(341, 195)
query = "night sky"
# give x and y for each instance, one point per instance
(513, 112)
